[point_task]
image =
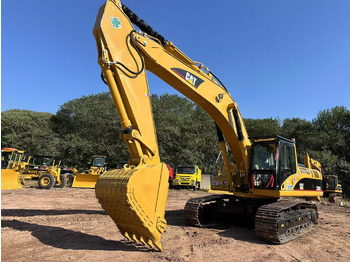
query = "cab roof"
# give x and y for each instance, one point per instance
(270, 139)
(186, 166)
(96, 156)
(10, 149)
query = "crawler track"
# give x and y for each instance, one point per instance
(284, 221)
(194, 209)
(277, 222)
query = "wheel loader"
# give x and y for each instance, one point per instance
(264, 183)
(89, 177)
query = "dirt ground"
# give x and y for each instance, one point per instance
(69, 225)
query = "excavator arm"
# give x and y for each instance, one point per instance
(135, 197)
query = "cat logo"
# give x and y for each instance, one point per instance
(190, 78)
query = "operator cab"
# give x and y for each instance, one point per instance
(42, 161)
(97, 161)
(272, 161)
(8, 157)
(331, 183)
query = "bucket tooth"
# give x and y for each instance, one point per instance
(142, 241)
(127, 236)
(134, 238)
(159, 246)
(150, 243)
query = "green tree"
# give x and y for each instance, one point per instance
(263, 127)
(307, 137)
(28, 130)
(335, 124)
(89, 126)
(186, 134)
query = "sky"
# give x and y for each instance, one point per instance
(277, 58)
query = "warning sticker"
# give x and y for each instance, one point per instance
(116, 22)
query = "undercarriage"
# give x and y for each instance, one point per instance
(274, 221)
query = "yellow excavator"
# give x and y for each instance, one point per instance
(264, 169)
(331, 187)
(10, 177)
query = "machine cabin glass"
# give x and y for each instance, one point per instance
(264, 156)
(8, 158)
(98, 162)
(330, 182)
(186, 170)
(263, 165)
(43, 161)
(272, 161)
(287, 161)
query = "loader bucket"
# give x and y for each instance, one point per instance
(85, 180)
(10, 179)
(135, 199)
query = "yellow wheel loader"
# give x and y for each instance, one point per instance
(10, 178)
(89, 177)
(264, 169)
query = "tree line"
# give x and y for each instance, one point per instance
(186, 134)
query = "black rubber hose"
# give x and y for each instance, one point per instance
(138, 52)
(220, 135)
(149, 30)
(103, 79)
(143, 25)
(219, 81)
(121, 64)
(238, 124)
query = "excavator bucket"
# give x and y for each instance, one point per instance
(135, 199)
(85, 180)
(10, 180)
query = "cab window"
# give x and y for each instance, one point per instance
(287, 160)
(264, 157)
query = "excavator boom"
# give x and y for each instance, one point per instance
(135, 196)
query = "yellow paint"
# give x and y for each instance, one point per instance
(85, 180)
(10, 180)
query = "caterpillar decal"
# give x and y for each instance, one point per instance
(190, 78)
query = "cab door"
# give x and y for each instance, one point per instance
(287, 165)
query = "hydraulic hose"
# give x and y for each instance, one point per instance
(143, 25)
